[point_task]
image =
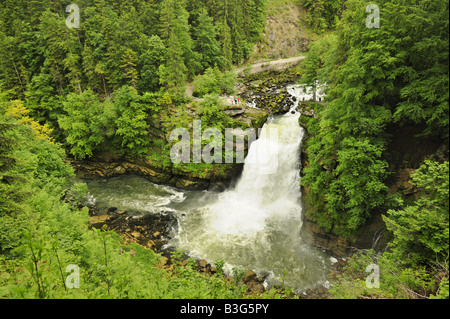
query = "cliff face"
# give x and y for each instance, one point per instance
(372, 236)
(285, 34)
(212, 179)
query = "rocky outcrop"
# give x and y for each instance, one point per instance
(371, 236)
(151, 231)
(267, 91)
(275, 100)
(177, 177)
(254, 282)
(313, 235)
(285, 34)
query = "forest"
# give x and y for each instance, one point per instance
(77, 93)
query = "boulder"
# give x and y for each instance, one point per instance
(250, 275)
(234, 113)
(99, 221)
(202, 263)
(256, 287)
(163, 262)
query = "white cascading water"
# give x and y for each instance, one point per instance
(269, 186)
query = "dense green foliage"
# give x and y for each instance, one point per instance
(214, 82)
(416, 266)
(99, 88)
(42, 234)
(421, 229)
(382, 80)
(322, 14)
(88, 83)
(121, 43)
(371, 74)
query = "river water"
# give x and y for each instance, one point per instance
(254, 225)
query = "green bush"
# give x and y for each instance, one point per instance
(213, 81)
(421, 229)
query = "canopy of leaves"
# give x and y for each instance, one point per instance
(375, 79)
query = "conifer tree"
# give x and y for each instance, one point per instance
(11, 67)
(206, 41)
(129, 64)
(173, 74)
(149, 62)
(182, 30)
(226, 43)
(166, 20)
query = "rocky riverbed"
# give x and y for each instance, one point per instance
(154, 231)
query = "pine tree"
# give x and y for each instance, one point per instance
(148, 17)
(206, 41)
(12, 71)
(227, 48)
(149, 62)
(255, 17)
(89, 63)
(173, 74)
(72, 64)
(182, 30)
(54, 32)
(129, 64)
(237, 31)
(95, 47)
(166, 20)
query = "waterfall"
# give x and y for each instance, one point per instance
(269, 186)
(256, 225)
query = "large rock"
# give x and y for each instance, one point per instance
(285, 34)
(314, 235)
(254, 283)
(250, 275)
(372, 235)
(150, 230)
(235, 112)
(275, 100)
